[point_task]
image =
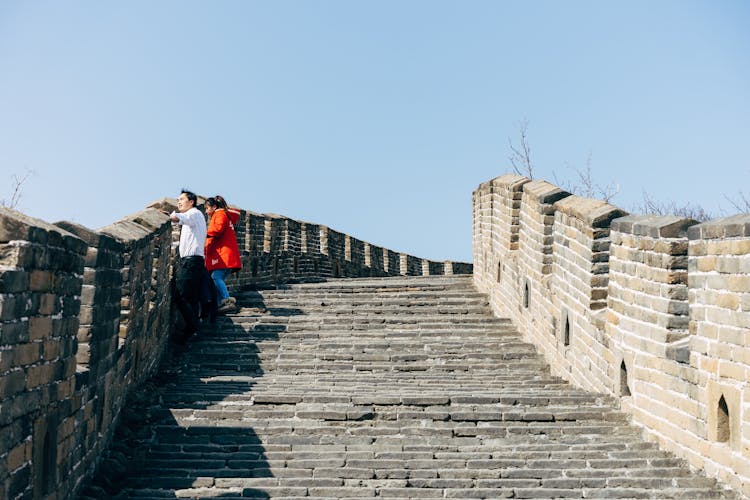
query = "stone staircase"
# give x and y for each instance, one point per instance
(386, 388)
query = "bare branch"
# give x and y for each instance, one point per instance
(520, 158)
(585, 182)
(651, 206)
(563, 183)
(15, 196)
(741, 204)
(587, 187)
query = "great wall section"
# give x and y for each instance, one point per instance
(652, 309)
(586, 353)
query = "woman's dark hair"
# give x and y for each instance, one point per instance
(217, 201)
(221, 202)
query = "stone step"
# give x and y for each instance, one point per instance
(366, 295)
(399, 282)
(514, 456)
(426, 321)
(394, 486)
(371, 301)
(366, 299)
(390, 311)
(333, 298)
(393, 419)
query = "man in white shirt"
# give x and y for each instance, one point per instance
(192, 267)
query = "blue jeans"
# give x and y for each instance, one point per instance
(219, 275)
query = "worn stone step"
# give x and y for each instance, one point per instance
(385, 282)
(369, 299)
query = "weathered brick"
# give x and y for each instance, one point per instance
(19, 456)
(41, 281)
(26, 354)
(42, 374)
(12, 383)
(14, 333)
(13, 306)
(48, 304)
(13, 281)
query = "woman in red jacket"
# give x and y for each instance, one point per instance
(222, 251)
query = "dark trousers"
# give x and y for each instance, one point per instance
(209, 298)
(188, 291)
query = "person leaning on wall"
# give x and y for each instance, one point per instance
(191, 265)
(222, 251)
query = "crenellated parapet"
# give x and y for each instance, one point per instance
(146, 238)
(98, 340)
(278, 250)
(86, 316)
(653, 309)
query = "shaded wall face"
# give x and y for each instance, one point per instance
(654, 309)
(99, 344)
(40, 283)
(90, 311)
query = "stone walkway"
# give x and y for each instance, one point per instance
(386, 388)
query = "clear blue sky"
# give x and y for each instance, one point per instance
(377, 119)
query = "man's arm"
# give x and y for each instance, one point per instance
(171, 216)
(190, 218)
(196, 220)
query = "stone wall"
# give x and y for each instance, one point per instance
(653, 309)
(40, 283)
(86, 316)
(277, 250)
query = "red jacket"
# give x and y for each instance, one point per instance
(222, 251)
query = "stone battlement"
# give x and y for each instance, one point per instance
(652, 309)
(86, 316)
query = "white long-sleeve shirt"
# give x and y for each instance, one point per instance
(192, 233)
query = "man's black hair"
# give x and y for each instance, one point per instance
(190, 196)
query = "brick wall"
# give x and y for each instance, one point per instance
(496, 224)
(98, 345)
(719, 297)
(654, 310)
(41, 268)
(85, 319)
(543, 317)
